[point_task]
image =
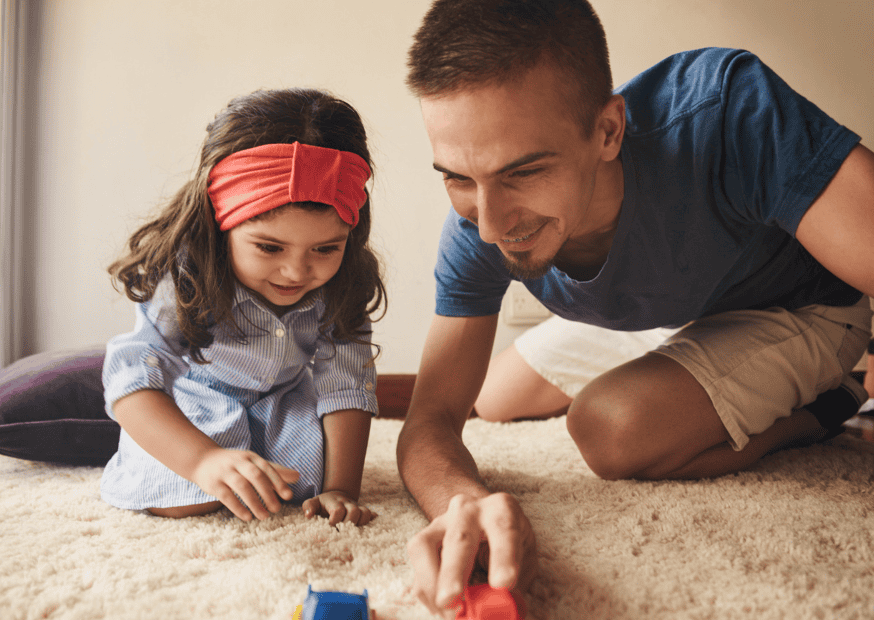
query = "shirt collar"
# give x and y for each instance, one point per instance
(242, 295)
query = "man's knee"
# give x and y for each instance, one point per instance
(603, 429)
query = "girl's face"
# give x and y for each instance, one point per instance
(287, 254)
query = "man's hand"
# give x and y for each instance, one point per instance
(491, 532)
(231, 475)
(337, 507)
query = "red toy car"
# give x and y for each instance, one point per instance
(484, 602)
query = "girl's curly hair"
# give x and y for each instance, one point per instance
(185, 242)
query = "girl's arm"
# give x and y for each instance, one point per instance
(159, 427)
(346, 435)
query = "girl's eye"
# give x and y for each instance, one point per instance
(267, 248)
(327, 249)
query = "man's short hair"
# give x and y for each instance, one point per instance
(469, 43)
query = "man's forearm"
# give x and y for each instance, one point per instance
(435, 465)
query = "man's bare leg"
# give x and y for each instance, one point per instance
(513, 390)
(651, 419)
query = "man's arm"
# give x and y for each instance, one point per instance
(469, 525)
(452, 371)
(838, 228)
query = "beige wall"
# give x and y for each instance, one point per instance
(122, 90)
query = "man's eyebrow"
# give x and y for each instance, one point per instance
(516, 163)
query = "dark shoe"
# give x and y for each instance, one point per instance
(831, 409)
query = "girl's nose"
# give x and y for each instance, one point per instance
(295, 269)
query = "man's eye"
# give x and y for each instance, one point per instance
(268, 249)
(524, 173)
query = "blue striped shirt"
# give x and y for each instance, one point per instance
(266, 393)
(277, 351)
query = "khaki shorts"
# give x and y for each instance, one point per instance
(759, 365)
(756, 365)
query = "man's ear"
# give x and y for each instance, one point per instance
(611, 125)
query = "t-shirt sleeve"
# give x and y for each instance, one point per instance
(344, 376)
(470, 276)
(149, 358)
(781, 150)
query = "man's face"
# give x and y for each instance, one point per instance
(515, 163)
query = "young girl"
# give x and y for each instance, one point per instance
(248, 378)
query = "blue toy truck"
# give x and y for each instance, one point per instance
(333, 606)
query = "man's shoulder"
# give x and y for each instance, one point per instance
(679, 86)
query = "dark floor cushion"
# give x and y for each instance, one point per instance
(51, 409)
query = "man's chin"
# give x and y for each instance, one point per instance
(524, 268)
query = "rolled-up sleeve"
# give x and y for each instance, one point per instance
(148, 358)
(345, 377)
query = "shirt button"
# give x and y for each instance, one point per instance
(152, 361)
(279, 332)
(368, 386)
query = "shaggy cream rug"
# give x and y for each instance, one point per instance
(791, 538)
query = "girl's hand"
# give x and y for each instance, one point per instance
(338, 506)
(227, 474)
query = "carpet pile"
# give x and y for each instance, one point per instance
(791, 538)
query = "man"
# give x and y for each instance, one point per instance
(704, 193)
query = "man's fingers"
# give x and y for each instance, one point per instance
(512, 558)
(503, 527)
(423, 550)
(461, 542)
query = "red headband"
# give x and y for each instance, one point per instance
(254, 181)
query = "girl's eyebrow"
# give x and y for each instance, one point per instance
(271, 240)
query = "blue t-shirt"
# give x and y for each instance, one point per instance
(721, 159)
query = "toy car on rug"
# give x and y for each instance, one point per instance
(330, 605)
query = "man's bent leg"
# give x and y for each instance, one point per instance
(513, 390)
(547, 366)
(651, 419)
(720, 385)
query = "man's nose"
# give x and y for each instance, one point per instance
(494, 214)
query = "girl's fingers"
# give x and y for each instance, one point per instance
(289, 476)
(338, 509)
(352, 513)
(257, 488)
(252, 499)
(336, 513)
(227, 497)
(281, 477)
(366, 517)
(312, 507)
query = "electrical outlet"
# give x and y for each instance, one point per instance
(520, 307)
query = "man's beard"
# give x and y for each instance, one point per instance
(520, 266)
